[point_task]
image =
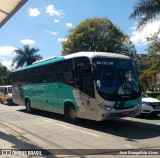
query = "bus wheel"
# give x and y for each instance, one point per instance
(28, 106)
(71, 114)
(9, 101)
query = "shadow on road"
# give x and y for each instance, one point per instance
(18, 142)
(128, 129)
(6, 104)
(148, 117)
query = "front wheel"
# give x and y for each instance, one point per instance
(28, 106)
(71, 114)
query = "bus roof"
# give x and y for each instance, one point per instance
(79, 54)
(94, 54)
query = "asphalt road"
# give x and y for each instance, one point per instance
(44, 130)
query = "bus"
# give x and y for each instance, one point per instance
(89, 85)
(6, 94)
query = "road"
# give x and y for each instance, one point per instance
(20, 130)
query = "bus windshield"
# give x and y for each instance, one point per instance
(116, 78)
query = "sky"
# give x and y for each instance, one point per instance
(44, 24)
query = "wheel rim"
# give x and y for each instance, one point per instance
(73, 113)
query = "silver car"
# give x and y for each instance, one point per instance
(150, 106)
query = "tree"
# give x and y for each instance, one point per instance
(5, 78)
(149, 76)
(142, 65)
(154, 43)
(26, 55)
(97, 34)
(146, 11)
(154, 51)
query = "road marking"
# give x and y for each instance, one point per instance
(74, 129)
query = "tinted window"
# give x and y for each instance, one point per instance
(56, 72)
(83, 75)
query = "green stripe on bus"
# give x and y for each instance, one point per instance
(49, 94)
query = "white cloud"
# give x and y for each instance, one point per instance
(52, 33)
(62, 39)
(7, 51)
(34, 12)
(7, 64)
(69, 24)
(51, 10)
(27, 41)
(139, 37)
(56, 21)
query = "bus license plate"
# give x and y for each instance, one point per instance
(157, 107)
(125, 113)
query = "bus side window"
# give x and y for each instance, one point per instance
(64, 72)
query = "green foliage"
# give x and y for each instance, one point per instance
(97, 34)
(5, 78)
(154, 95)
(142, 65)
(146, 78)
(154, 43)
(154, 51)
(146, 11)
(26, 55)
(158, 97)
(149, 76)
(154, 62)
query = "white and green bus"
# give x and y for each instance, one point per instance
(89, 85)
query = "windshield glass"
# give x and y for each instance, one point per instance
(116, 78)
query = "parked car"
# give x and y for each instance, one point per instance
(150, 106)
(6, 94)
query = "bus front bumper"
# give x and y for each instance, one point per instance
(116, 114)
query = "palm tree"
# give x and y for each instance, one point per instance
(26, 56)
(146, 11)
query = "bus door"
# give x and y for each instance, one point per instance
(86, 91)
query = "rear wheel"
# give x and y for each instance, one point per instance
(28, 106)
(9, 101)
(71, 114)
